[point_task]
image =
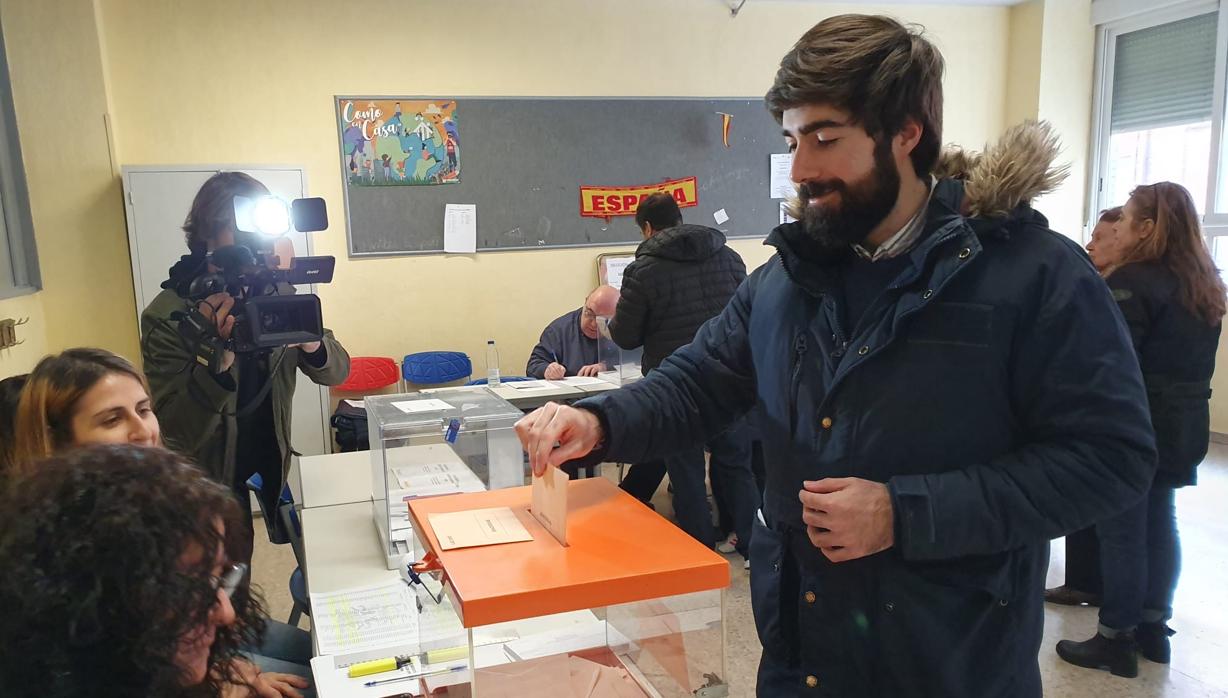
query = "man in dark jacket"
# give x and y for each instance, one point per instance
(682, 276)
(943, 383)
(568, 345)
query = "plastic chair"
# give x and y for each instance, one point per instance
(284, 528)
(369, 373)
(436, 367)
(298, 581)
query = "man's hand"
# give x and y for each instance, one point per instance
(217, 308)
(555, 371)
(575, 431)
(253, 682)
(306, 347)
(591, 370)
(847, 517)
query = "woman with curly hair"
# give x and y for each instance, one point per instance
(119, 581)
(89, 396)
(1173, 301)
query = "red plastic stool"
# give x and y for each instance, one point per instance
(370, 373)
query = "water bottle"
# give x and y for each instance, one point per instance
(492, 363)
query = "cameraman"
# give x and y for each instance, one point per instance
(234, 422)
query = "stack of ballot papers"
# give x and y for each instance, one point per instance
(425, 480)
(360, 620)
(577, 381)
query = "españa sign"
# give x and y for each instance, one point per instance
(603, 202)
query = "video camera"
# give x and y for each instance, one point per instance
(250, 272)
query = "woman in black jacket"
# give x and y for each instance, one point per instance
(1173, 300)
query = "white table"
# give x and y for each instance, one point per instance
(341, 549)
(534, 397)
(335, 478)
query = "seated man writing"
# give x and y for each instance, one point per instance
(568, 345)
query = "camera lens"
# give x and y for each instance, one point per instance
(274, 322)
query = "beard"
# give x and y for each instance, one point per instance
(862, 204)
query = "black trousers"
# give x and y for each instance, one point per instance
(642, 479)
(1083, 561)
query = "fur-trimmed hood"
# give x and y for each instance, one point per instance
(1013, 171)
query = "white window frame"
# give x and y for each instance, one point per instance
(1214, 224)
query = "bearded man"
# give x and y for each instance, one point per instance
(944, 384)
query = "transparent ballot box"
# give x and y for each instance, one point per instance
(621, 366)
(431, 445)
(603, 615)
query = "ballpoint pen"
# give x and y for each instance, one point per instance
(418, 675)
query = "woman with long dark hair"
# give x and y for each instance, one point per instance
(82, 396)
(1173, 301)
(119, 578)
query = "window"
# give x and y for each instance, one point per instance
(18, 260)
(1160, 105)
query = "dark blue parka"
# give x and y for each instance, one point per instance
(993, 388)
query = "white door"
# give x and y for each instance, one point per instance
(157, 200)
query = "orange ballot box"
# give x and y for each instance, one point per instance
(631, 606)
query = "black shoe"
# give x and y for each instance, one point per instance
(1153, 641)
(1069, 596)
(1115, 655)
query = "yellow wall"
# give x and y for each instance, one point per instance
(1049, 77)
(1023, 61)
(1068, 48)
(59, 96)
(232, 81)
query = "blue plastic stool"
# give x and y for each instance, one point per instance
(436, 367)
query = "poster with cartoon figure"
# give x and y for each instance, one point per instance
(399, 142)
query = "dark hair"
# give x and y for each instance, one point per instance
(53, 388)
(1178, 244)
(97, 592)
(1110, 215)
(213, 208)
(876, 69)
(660, 210)
(10, 395)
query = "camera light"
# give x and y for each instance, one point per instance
(266, 215)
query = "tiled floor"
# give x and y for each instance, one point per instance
(1200, 649)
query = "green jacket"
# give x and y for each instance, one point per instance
(196, 411)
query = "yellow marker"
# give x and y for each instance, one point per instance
(378, 666)
(446, 655)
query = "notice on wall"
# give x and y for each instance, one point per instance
(781, 181)
(460, 228)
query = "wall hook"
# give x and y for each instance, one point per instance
(734, 9)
